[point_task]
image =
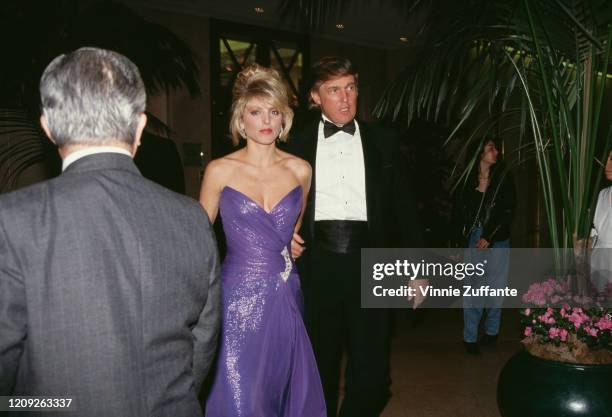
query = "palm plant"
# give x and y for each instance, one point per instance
(165, 63)
(554, 55)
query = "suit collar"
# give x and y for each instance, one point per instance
(91, 150)
(103, 161)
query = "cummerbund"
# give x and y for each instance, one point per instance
(341, 236)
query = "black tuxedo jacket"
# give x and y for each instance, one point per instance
(390, 197)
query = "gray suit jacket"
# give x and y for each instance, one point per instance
(109, 292)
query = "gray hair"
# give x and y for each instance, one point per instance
(92, 96)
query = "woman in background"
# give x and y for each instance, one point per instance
(482, 216)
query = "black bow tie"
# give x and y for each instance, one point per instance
(330, 129)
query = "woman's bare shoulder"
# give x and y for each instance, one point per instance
(221, 169)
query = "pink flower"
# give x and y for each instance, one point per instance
(545, 318)
(578, 317)
(527, 311)
(604, 323)
(528, 331)
(553, 332)
(590, 331)
(563, 335)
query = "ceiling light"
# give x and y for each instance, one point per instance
(259, 10)
(339, 26)
(403, 39)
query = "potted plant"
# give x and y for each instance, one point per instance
(554, 330)
(567, 363)
(556, 55)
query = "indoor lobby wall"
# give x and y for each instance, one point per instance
(189, 118)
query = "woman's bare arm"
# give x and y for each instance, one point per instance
(212, 185)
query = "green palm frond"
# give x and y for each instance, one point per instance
(554, 56)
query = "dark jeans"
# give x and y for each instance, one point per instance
(335, 319)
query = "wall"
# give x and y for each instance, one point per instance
(189, 118)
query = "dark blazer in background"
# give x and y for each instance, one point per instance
(158, 160)
(109, 292)
(496, 212)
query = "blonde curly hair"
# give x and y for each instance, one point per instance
(255, 81)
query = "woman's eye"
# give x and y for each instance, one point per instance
(254, 112)
(275, 112)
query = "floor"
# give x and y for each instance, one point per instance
(433, 377)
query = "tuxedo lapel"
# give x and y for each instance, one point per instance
(371, 165)
(310, 142)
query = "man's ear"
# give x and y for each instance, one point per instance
(142, 122)
(45, 127)
(314, 95)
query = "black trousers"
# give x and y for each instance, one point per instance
(335, 319)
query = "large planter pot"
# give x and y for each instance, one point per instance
(533, 387)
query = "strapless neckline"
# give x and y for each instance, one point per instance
(278, 203)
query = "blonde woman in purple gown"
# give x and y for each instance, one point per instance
(266, 366)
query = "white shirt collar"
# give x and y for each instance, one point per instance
(325, 118)
(91, 150)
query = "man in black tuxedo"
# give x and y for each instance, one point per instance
(359, 198)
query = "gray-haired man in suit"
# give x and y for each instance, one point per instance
(109, 283)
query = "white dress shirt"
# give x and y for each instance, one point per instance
(91, 150)
(340, 183)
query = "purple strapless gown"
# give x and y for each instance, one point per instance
(266, 367)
